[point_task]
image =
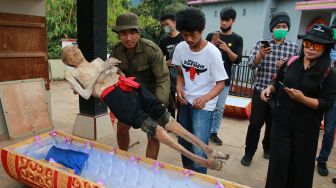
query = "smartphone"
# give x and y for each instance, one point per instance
(215, 36)
(282, 84)
(265, 43)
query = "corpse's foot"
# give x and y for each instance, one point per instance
(214, 164)
(217, 155)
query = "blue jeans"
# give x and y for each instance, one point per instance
(328, 137)
(197, 122)
(219, 110)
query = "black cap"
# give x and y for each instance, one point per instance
(280, 17)
(333, 24)
(319, 33)
(227, 13)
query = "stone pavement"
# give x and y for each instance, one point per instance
(233, 131)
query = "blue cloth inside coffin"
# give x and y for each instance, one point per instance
(74, 160)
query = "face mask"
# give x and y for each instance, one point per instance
(167, 29)
(225, 30)
(280, 33)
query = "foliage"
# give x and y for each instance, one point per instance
(61, 23)
(154, 8)
(151, 28)
(115, 7)
(150, 12)
(174, 8)
(62, 20)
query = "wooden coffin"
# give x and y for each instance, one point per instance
(239, 107)
(40, 173)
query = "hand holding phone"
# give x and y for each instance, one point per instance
(215, 36)
(282, 84)
(265, 44)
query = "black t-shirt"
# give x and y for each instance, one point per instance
(235, 43)
(167, 44)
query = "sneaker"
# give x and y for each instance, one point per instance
(322, 169)
(266, 154)
(246, 160)
(214, 138)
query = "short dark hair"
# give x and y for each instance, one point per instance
(169, 16)
(228, 13)
(190, 20)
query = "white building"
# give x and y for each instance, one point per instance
(253, 16)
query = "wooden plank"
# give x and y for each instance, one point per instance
(21, 24)
(21, 18)
(25, 107)
(23, 47)
(24, 68)
(28, 54)
(23, 39)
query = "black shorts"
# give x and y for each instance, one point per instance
(138, 108)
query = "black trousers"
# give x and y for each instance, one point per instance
(292, 157)
(136, 107)
(261, 113)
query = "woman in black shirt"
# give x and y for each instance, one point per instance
(304, 90)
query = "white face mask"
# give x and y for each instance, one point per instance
(167, 29)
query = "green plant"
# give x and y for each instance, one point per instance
(150, 12)
(115, 7)
(61, 23)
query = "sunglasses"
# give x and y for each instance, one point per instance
(316, 46)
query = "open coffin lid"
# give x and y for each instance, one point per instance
(105, 167)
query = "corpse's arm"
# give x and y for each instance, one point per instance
(70, 76)
(84, 92)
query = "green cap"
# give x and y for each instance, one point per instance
(126, 21)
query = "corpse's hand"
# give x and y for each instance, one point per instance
(200, 102)
(108, 64)
(294, 94)
(113, 61)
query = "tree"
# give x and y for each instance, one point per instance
(150, 12)
(115, 7)
(61, 23)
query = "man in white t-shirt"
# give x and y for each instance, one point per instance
(200, 79)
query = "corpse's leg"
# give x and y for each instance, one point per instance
(176, 128)
(123, 136)
(162, 136)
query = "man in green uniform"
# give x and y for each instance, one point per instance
(142, 59)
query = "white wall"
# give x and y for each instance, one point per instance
(29, 7)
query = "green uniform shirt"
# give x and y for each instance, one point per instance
(147, 65)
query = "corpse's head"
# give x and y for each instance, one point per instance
(72, 56)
